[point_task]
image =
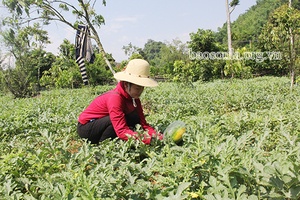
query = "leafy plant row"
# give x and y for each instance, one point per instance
(242, 142)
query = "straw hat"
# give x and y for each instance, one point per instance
(138, 72)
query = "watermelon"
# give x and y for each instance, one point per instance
(175, 131)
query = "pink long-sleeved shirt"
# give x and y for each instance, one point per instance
(116, 104)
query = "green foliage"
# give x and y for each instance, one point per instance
(168, 60)
(161, 56)
(151, 51)
(65, 72)
(206, 69)
(248, 26)
(241, 142)
(169, 54)
(136, 56)
(237, 66)
(202, 46)
(53, 10)
(183, 72)
(276, 36)
(67, 50)
(98, 74)
(234, 3)
(56, 77)
(47, 11)
(20, 82)
(203, 41)
(3, 89)
(25, 46)
(246, 31)
(280, 23)
(130, 49)
(40, 61)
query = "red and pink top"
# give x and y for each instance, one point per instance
(116, 104)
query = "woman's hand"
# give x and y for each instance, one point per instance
(158, 136)
(146, 139)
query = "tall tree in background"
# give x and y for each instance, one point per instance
(203, 66)
(64, 71)
(229, 9)
(25, 45)
(282, 34)
(152, 51)
(292, 51)
(130, 49)
(47, 11)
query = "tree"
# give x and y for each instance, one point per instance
(98, 72)
(2, 83)
(131, 50)
(23, 43)
(64, 71)
(203, 41)
(169, 53)
(40, 61)
(283, 25)
(229, 9)
(151, 51)
(67, 49)
(239, 66)
(48, 11)
(248, 26)
(205, 63)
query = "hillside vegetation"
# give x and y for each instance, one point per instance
(265, 41)
(242, 142)
(248, 26)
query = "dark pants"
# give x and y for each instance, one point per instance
(100, 129)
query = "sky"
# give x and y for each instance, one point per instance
(137, 21)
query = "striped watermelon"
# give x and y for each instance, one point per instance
(175, 131)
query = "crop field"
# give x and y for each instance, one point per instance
(241, 142)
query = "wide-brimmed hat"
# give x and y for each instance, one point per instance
(138, 72)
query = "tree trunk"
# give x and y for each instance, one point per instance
(292, 78)
(292, 59)
(230, 52)
(103, 53)
(292, 53)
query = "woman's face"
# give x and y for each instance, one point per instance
(133, 90)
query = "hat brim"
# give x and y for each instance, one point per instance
(146, 82)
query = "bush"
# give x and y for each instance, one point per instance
(20, 82)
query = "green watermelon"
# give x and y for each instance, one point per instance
(175, 131)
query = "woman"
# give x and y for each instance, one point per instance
(116, 112)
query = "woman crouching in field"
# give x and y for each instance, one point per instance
(116, 112)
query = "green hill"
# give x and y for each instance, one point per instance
(247, 27)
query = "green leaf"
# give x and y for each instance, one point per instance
(277, 182)
(182, 187)
(295, 192)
